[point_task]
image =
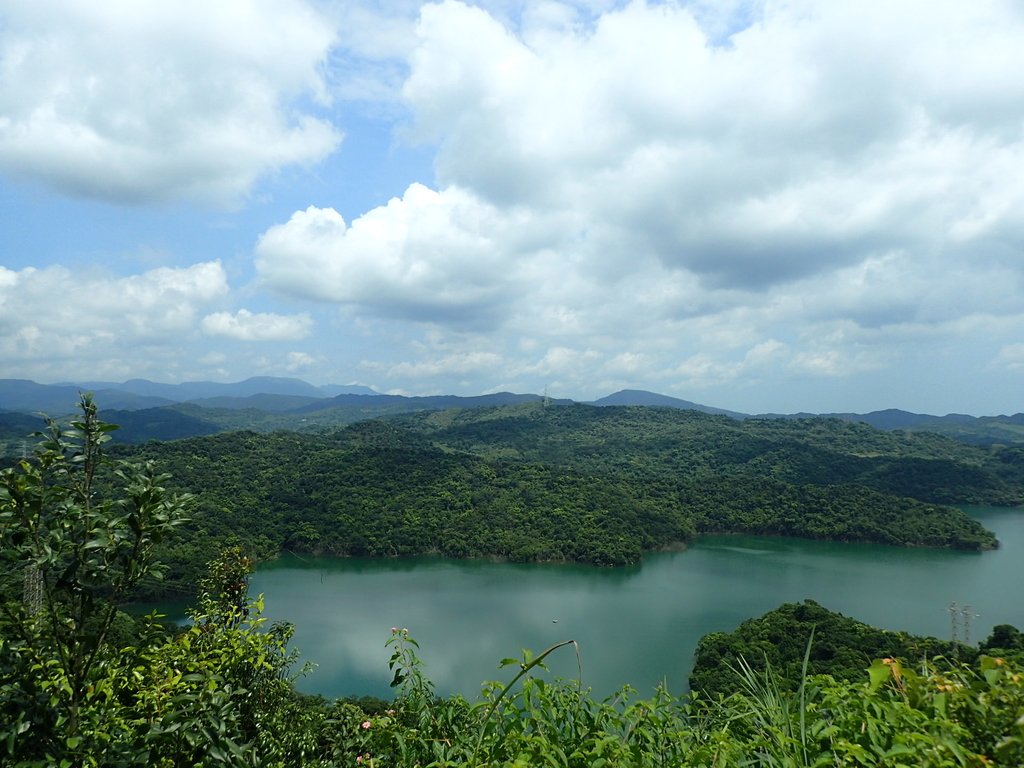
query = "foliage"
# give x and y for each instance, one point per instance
(843, 647)
(220, 691)
(891, 716)
(662, 443)
(70, 693)
(79, 555)
(373, 490)
(597, 485)
(210, 699)
(1006, 641)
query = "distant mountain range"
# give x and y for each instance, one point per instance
(136, 394)
(152, 410)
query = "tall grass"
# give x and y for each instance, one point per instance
(895, 717)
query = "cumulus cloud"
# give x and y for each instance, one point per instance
(752, 164)
(1011, 357)
(692, 196)
(726, 190)
(55, 315)
(666, 163)
(456, 364)
(139, 101)
(298, 361)
(432, 256)
(265, 326)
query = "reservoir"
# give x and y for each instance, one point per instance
(636, 625)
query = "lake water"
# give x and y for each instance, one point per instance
(635, 625)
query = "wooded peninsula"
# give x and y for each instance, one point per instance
(87, 526)
(572, 482)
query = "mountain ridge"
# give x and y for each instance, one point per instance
(29, 396)
(281, 399)
(643, 397)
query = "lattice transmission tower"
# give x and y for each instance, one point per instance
(954, 620)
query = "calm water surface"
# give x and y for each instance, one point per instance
(635, 625)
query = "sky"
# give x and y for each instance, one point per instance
(760, 205)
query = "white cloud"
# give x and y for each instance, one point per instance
(213, 358)
(835, 362)
(443, 256)
(297, 361)
(54, 316)
(138, 101)
(725, 197)
(1011, 357)
(765, 353)
(774, 158)
(768, 190)
(456, 364)
(627, 363)
(265, 326)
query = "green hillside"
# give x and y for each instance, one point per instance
(83, 684)
(376, 490)
(597, 485)
(665, 443)
(841, 647)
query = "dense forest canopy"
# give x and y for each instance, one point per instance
(599, 485)
(665, 441)
(838, 646)
(83, 684)
(537, 481)
(148, 410)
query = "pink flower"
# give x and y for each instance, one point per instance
(394, 629)
(359, 758)
(367, 724)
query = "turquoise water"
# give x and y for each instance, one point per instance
(634, 625)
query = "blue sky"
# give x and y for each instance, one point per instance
(758, 205)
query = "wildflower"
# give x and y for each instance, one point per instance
(394, 630)
(367, 724)
(359, 758)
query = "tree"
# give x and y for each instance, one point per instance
(81, 546)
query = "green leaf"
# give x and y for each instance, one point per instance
(879, 672)
(898, 749)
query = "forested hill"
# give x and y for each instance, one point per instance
(85, 684)
(666, 444)
(599, 485)
(376, 490)
(839, 646)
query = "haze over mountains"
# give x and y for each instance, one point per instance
(134, 394)
(153, 410)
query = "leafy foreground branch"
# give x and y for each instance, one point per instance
(82, 684)
(222, 695)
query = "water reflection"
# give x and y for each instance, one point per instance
(637, 625)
